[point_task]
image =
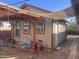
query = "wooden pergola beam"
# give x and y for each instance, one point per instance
(18, 10)
(20, 17)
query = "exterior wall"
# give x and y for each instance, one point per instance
(24, 36)
(45, 37)
(61, 28)
(58, 32)
(54, 33)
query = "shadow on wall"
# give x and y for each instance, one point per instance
(59, 38)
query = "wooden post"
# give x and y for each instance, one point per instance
(33, 40)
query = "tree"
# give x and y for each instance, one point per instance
(72, 26)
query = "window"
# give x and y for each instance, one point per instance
(17, 28)
(39, 25)
(26, 27)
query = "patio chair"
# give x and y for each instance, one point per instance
(24, 45)
(3, 41)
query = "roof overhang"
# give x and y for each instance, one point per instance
(7, 10)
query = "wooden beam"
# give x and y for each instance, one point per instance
(10, 8)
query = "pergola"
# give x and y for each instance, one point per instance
(10, 12)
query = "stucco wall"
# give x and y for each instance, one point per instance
(55, 33)
(61, 30)
(58, 32)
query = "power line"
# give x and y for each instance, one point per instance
(15, 4)
(18, 2)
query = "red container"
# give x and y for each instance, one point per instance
(34, 45)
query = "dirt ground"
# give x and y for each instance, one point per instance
(68, 50)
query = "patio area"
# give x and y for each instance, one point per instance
(68, 50)
(15, 53)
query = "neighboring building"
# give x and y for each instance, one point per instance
(5, 26)
(75, 5)
(33, 23)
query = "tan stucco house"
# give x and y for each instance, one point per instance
(33, 23)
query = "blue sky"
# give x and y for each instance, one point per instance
(51, 5)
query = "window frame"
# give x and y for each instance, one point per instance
(43, 27)
(16, 28)
(23, 27)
